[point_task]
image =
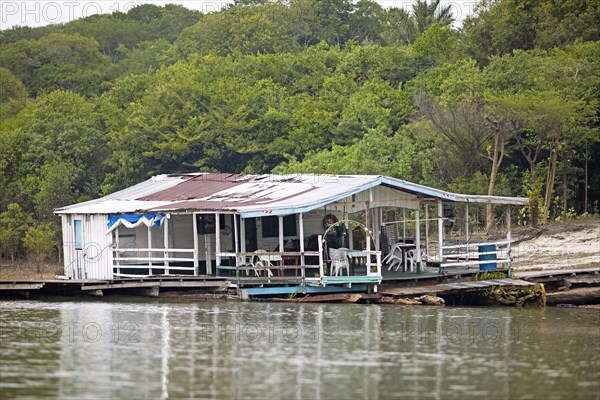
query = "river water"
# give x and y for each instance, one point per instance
(209, 349)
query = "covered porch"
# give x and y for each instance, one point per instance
(268, 250)
(364, 237)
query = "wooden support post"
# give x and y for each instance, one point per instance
(166, 244)
(369, 223)
(117, 252)
(218, 241)
(236, 247)
(281, 244)
(467, 222)
(321, 260)
(207, 255)
(508, 222)
(195, 233)
(236, 236)
(350, 237)
(441, 231)
(368, 263)
(242, 234)
(508, 226)
(280, 221)
(378, 259)
(367, 220)
(243, 241)
(404, 224)
(344, 218)
(426, 229)
(378, 245)
(149, 247)
(418, 240)
(302, 258)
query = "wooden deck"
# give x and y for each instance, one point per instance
(144, 285)
(395, 284)
(456, 287)
(546, 275)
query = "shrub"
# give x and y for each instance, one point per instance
(39, 243)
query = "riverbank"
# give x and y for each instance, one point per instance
(574, 244)
(25, 270)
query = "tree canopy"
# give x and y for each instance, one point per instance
(504, 103)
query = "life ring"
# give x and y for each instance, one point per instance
(329, 220)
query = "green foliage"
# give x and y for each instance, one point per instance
(39, 242)
(12, 88)
(13, 225)
(499, 106)
(261, 29)
(428, 13)
(437, 45)
(70, 62)
(376, 154)
(532, 187)
(490, 275)
(13, 94)
(501, 26)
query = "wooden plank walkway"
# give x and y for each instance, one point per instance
(75, 286)
(21, 285)
(449, 288)
(555, 273)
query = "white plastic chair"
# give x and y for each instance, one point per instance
(394, 258)
(339, 261)
(263, 262)
(411, 258)
(246, 262)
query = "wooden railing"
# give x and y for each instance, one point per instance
(129, 258)
(467, 254)
(245, 267)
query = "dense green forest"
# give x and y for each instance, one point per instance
(505, 102)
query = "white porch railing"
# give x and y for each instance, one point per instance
(467, 254)
(245, 267)
(129, 259)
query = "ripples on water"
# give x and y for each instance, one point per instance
(306, 351)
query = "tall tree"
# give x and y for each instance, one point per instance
(13, 225)
(426, 13)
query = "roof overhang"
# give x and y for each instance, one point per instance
(449, 196)
(261, 195)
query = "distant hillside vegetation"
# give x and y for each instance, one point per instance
(506, 104)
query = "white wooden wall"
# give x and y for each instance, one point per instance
(94, 261)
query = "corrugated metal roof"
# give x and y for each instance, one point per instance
(455, 197)
(255, 195)
(117, 200)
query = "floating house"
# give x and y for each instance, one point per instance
(305, 230)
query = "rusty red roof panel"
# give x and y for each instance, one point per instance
(216, 204)
(203, 205)
(198, 187)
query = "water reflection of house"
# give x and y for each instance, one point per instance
(275, 229)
